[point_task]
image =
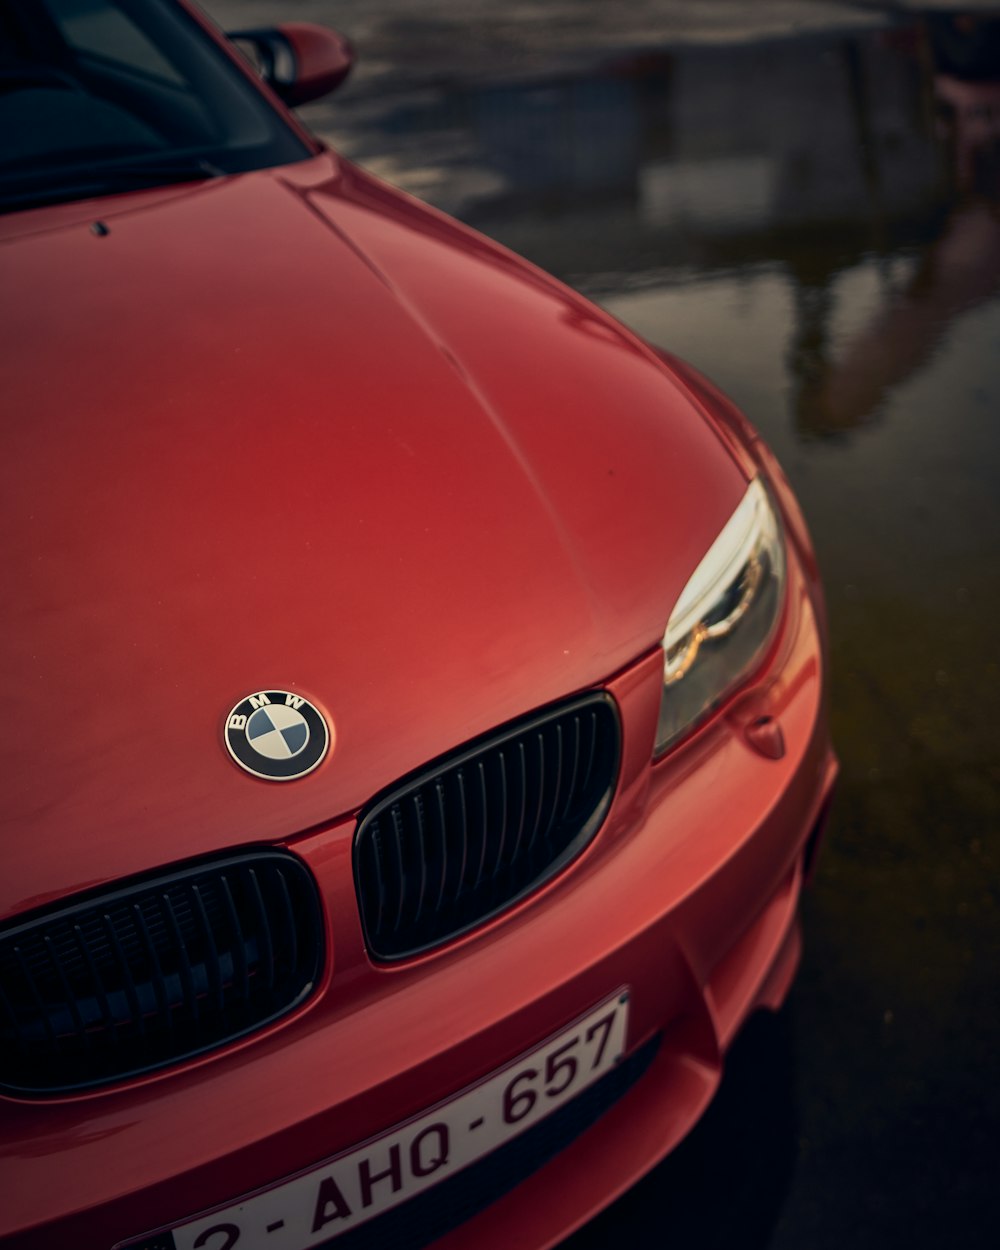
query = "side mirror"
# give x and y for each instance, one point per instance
(300, 61)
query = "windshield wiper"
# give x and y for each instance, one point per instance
(110, 180)
(152, 173)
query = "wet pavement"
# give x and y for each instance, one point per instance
(809, 210)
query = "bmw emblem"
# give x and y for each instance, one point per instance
(277, 735)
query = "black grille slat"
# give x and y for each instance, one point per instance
(266, 936)
(522, 805)
(502, 818)
(461, 831)
(159, 982)
(479, 830)
(107, 1019)
(212, 953)
(559, 783)
(36, 997)
(241, 967)
(123, 982)
(374, 872)
(127, 980)
(573, 769)
(290, 937)
(481, 823)
(423, 851)
(455, 828)
(441, 824)
(68, 995)
(538, 802)
(186, 973)
(11, 1014)
(400, 875)
(591, 748)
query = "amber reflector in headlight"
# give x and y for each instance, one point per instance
(724, 616)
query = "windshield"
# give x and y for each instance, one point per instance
(98, 96)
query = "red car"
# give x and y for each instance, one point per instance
(414, 722)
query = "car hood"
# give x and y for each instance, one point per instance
(292, 430)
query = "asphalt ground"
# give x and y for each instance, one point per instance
(804, 200)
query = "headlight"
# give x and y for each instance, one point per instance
(724, 617)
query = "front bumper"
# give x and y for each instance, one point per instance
(687, 896)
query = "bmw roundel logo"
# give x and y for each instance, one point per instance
(277, 735)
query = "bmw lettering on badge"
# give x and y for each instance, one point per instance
(277, 735)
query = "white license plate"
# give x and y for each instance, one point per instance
(354, 1187)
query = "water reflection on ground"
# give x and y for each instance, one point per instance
(816, 224)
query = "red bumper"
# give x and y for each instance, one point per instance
(687, 896)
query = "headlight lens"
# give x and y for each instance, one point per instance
(724, 617)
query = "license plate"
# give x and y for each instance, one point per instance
(368, 1180)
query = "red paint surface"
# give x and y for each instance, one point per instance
(323, 59)
(293, 429)
(304, 433)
